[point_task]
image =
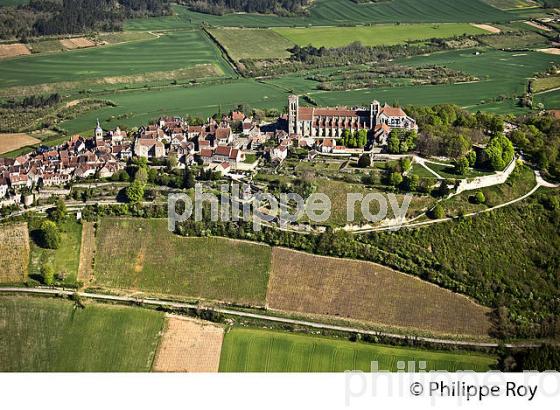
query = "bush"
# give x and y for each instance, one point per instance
(364, 161)
(47, 274)
(479, 197)
(395, 179)
(438, 212)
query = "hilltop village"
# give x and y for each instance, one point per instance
(231, 145)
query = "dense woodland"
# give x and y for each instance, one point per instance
(52, 17)
(220, 7)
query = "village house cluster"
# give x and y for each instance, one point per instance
(229, 144)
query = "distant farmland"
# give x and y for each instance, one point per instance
(384, 34)
(369, 292)
(171, 51)
(14, 253)
(142, 255)
(252, 43)
(53, 335)
(252, 350)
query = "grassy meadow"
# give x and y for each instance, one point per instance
(65, 259)
(376, 35)
(252, 350)
(252, 43)
(41, 335)
(142, 255)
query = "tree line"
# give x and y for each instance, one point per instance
(50, 17)
(220, 7)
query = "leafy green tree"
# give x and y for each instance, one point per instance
(362, 138)
(499, 152)
(49, 235)
(393, 143)
(364, 161)
(172, 161)
(471, 156)
(479, 197)
(411, 182)
(135, 192)
(58, 213)
(461, 166)
(188, 179)
(47, 274)
(438, 212)
(395, 179)
(406, 164)
(141, 175)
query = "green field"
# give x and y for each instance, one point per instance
(500, 74)
(66, 258)
(172, 51)
(142, 255)
(251, 350)
(512, 4)
(41, 335)
(252, 43)
(339, 12)
(383, 34)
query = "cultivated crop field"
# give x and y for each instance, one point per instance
(142, 255)
(87, 253)
(14, 253)
(339, 12)
(12, 142)
(53, 335)
(170, 51)
(365, 291)
(252, 350)
(252, 43)
(383, 34)
(189, 345)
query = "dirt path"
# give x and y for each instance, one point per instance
(230, 311)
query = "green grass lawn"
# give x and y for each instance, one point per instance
(49, 335)
(252, 350)
(449, 171)
(66, 258)
(376, 35)
(142, 255)
(252, 43)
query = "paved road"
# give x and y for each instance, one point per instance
(232, 312)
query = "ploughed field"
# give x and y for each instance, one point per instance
(14, 253)
(369, 292)
(252, 350)
(142, 255)
(54, 335)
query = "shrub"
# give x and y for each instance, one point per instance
(364, 161)
(438, 212)
(479, 197)
(47, 274)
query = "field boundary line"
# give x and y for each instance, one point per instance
(317, 325)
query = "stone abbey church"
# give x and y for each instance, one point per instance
(324, 122)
